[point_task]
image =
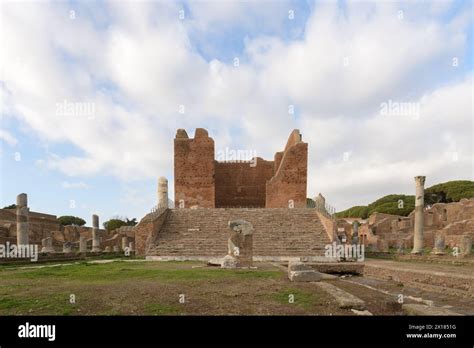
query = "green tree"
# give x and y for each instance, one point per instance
(71, 220)
(117, 222)
(398, 204)
(451, 191)
(11, 206)
(358, 211)
(132, 222)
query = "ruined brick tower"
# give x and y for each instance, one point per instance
(201, 181)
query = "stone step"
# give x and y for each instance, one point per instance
(276, 232)
(342, 297)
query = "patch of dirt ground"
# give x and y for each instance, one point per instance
(159, 288)
(458, 304)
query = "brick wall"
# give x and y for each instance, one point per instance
(242, 185)
(39, 225)
(289, 182)
(329, 226)
(201, 181)
(194, 169)
(147, 231)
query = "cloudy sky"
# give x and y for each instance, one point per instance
(92, 94)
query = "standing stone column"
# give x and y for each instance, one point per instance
(163, 192)
(419, 215)
(82, 244)
(320, 203)
(355, 232)
(124, 242)
(95, 234)
(22, 210)
(439, 245)
(466, 245)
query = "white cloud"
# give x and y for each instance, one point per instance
(211, 16)
(74, 185)
(388, 151)
(142, 66)
(8, 138)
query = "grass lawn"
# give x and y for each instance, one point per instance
(157, 288)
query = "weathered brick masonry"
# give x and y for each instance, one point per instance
(194, 173)
(242, 185)
(290, 179)
(201, 181)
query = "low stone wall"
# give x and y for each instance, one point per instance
(111, 242)
(329, 225)
(446, 259)
(147, 230)
(339, 267)
(205, 258)
(445, 282)
(61, 257)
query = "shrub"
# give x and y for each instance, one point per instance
(71, 220)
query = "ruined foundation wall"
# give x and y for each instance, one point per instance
(452, 220)
(39, 224)
(442, 214)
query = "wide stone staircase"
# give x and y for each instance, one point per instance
(277, 232)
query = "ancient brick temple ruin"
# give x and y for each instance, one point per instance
(268, 195)
(271, 197)
(201, 181)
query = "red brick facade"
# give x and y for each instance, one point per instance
(194, 182)
(242, 185)
(288, 185)
(203, 182)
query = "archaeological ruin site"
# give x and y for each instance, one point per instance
(235, 172)
(249, 226)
